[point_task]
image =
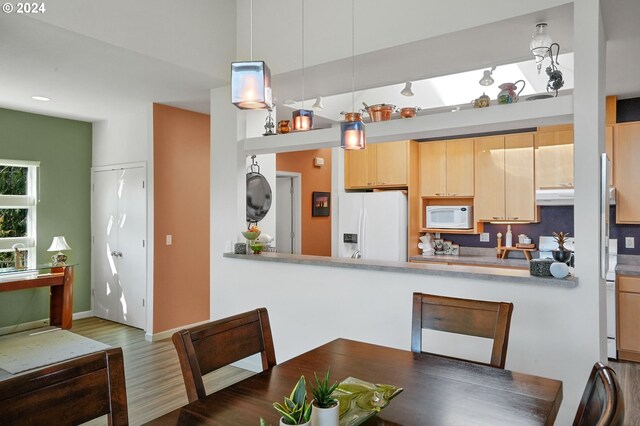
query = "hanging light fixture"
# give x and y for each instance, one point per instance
(302, 118)
(486, 79)
(407, 89)
(318, 104)
(352, 129)
(251, 81)
(540, 44)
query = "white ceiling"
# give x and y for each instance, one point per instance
(97, 58)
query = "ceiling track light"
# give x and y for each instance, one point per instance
(486, 79)
(251, 81)
(407, 89)
(318, 104)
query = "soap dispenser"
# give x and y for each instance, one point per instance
(509, 238)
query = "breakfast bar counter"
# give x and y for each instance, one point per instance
(492, 273)
(474, 259)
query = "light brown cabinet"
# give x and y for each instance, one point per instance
(382, 165)
(554, 157)
(504, 178)
(626, 173)
(446, 168)
(628, 317)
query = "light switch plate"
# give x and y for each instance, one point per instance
(169, 240)
(630, 242)
(484, 237)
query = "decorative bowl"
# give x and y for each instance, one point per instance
(257, 248)
(251, 235)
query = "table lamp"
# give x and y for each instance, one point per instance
(59, 244)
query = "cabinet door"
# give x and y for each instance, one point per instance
(554, 159)
(628, 314)
(433, 168)
(360, 167)
(520, 197)
(626, 151)
(391, 163)
(460, 168)
(489, 179)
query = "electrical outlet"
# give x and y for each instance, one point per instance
(630, 242)
(484, 237)
(169, 240)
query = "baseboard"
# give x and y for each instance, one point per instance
(154, 337)
(16, 328)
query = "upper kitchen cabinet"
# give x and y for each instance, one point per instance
(626, 151)
(504, 178)
(446, 168)
(382, 165)
(554, 157)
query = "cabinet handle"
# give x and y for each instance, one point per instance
(370, 183)
(513, 218)
(439, 193)
(116, 253)
(497, 217)
(382, 183)
(453, 194)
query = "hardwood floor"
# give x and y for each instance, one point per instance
(152, 371)
(629, 377)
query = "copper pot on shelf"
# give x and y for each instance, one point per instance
(284, 126)
(409, 112)
(380, 112)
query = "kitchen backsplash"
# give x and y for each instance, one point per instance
(552, 219)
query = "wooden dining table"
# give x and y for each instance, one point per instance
(437, 390)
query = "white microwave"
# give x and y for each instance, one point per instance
(450, 217)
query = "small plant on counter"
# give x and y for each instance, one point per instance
(322, 391)
(295, 410)
(561, 239)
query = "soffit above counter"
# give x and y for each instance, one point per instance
(543, 112)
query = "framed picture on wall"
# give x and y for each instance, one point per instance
(321, 204)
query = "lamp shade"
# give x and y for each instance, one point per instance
(302, 119)
(352, 134)
(59, 244)
(251, 85)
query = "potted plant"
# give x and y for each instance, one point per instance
(295, 410)
(325, 407)
(562, 254)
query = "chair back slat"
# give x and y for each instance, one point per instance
(463, 316)
(71, 392)
(208, 347)
(602, 402)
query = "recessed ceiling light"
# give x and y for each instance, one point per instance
(41, 98)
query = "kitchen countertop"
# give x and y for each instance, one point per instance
(517, 276)
(627, 269)
(475, 259)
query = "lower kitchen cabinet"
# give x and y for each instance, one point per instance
(628, 309)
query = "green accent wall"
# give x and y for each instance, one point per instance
(63, 148)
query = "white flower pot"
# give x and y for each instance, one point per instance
(301, 424)
(325, 416)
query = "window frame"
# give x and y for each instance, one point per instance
(29, 202)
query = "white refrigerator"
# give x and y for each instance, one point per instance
(373, 223)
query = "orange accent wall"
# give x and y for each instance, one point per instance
(181, 151)
(316, 231)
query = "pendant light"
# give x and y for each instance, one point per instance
(302, 118)
(251, 81)
(352, 129)
(540, 44)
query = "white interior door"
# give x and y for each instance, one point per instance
(131, 259)
(104, 211)
(119, 223)
(284, 214)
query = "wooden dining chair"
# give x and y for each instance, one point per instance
(207, 347)
(68, 393)
(602, 403)
(463, 316)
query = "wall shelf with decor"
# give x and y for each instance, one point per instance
(544, 112)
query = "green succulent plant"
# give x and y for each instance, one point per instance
(561, 239)
(322, 391)
(295, 410)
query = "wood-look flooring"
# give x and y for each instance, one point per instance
(155, 386)
(152, 371)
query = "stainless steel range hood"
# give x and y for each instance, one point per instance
(564, 196)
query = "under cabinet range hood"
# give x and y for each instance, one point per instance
(564, 196)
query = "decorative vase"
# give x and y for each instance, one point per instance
(561, 255)
(559, 269)
(282, 423)
(325, 416)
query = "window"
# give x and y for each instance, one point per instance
(18, 196)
